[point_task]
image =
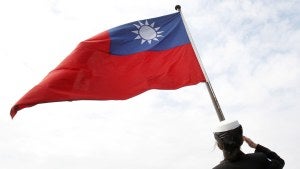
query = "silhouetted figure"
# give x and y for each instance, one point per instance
(229, 137)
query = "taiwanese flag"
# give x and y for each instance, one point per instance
(121, 63)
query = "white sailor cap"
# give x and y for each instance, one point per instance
(226, 126)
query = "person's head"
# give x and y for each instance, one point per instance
(229, 137)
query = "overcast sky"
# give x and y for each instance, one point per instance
(250, 51)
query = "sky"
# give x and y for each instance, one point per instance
(250, 51)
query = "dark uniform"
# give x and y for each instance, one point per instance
(263, 158)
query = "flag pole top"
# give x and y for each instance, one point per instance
(178, 8)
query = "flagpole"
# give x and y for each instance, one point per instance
(208, 84)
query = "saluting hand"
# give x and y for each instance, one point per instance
(249, 142)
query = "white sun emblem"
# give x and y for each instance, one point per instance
(147, 32)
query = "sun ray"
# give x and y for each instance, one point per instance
(136, 32)
(137, 26)
(141, 24)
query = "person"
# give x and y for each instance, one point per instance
(229, 138)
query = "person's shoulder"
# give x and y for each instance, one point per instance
(218, 167)
(222, 165)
